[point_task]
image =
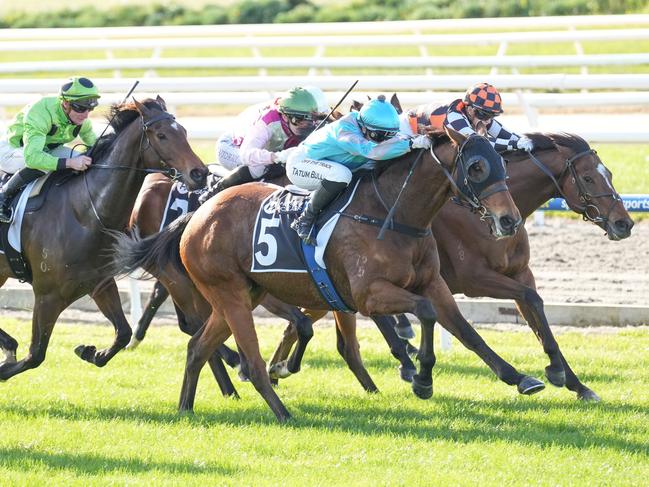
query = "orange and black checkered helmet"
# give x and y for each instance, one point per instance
(485, 97)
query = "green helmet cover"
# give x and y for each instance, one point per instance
(80, 90)
(298, 101)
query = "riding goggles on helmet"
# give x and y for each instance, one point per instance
(297, 118)
(484, 114)
(380, 135)
(83, 107)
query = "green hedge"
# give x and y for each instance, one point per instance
(269, 11)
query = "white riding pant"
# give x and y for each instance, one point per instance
(12, 159)
(308, 173)
(228, 155)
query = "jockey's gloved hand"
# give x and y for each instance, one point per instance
(282, 156)
(525, 143)
(420, 142)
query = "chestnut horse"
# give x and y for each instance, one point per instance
(377, 277)
(67, 243)
(475, 264)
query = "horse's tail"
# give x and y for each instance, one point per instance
(152, 253)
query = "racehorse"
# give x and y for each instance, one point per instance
(70, 258)
(399, 274)
(475, 264)
(192, 311)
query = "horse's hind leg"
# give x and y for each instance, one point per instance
(190, 325)
(47, 309)
(8, 346)
(386, 325)
(349, 348)
(106, 296)
(158, 296)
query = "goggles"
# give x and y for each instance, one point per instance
(380, 135)
(483, 114)
(82, 108)
(297, 119)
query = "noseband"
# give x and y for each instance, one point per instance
(588, 210)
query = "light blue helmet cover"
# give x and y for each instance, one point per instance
(378, 114)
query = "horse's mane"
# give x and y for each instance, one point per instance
(122, 114)
(549, 141)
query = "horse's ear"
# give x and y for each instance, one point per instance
(481, 128)
(455, 136)
(335, 115)
(356, 105)
(161, 102)
(394, 101)
(140, 107)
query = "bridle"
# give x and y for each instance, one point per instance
(472, 200)
(588, 210)
(170, 172)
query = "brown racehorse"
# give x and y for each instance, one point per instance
(395, 275)
(475, 264)
(67, 242)
(192, 310)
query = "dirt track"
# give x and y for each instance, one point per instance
(574, 262)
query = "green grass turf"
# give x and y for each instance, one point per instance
(69, 423)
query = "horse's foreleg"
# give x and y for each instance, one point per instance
(386, 325)
(522, 290)
(106, 296)
(451, 319)
(47, 309)
(384, 298)
(158, 296)
(278, 365)
(531, 308)
(349, 348)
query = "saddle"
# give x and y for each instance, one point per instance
(10, 233)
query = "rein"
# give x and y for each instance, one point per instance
(170, 172)
(584, 196)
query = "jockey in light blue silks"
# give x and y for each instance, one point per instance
(325, 161)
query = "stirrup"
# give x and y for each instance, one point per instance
(4, 218)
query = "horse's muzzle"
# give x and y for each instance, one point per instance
(199, 177)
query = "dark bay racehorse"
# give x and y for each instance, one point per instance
(475, 264)
(398, 274)
(67, 243)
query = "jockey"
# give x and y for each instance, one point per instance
(481, 103)
(324, 162)
(321, 100)
(261, 147)
(35, 138)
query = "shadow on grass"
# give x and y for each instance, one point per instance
(450, 418)
(20, 458)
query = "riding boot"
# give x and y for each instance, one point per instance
(320, 198)
(239, 175)
(12, 187)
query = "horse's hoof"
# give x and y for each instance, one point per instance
(421, 389)
(405, 332)
(557, 379)
(530, 385)
(133, 344)
(588, 396)
(279, 370)
(186, 412)
(406, 373)
(86, 352)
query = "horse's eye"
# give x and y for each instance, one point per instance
(161, 136)
(588, 179)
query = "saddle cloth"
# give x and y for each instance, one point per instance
(276, 247)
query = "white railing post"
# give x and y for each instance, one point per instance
(136, 301)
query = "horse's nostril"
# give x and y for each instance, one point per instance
(622, 226)
(507, 223)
